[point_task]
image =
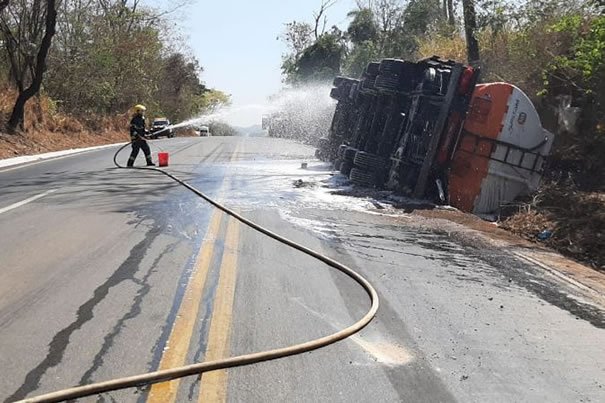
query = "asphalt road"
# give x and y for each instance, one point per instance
(107, 273)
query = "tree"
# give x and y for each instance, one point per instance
(320, 19)
(363, 27)
(319, 62)
(314, 54)
(213, 100)
(470, 29)
(451, 16)
(30, 22)
(180, 92)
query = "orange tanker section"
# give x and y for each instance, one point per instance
(500, 152)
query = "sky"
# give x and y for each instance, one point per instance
(236, 43)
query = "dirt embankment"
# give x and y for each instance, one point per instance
(47, 129)
(564, 218)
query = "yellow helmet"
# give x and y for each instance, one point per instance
(139, 108)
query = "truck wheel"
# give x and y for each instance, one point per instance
(338, 81)
(345, 167)
(388, 83)
(373, 69)
(362, 178)
(368, 83)
(349, 154)
(368, 161)
(336, 93)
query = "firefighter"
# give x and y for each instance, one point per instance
(137, 135)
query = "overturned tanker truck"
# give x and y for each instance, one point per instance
(427, 129)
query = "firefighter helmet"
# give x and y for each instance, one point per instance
(139, 108)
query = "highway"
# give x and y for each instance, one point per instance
(109, 272)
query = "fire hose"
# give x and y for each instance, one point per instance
(238, 361)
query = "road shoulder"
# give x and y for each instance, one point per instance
(473, 230)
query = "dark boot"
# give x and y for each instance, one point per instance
(150, 162)
(130, 162)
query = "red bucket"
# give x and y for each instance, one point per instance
(163, 159)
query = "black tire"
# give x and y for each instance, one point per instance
(368, 83)
(349, 154)
(362, 178)
(369, 162)
(341, 150)
(338, 81)
(336, 94)
(388, 83)
(345, 167)
(337, 163)
(392, 66)
(373, 69)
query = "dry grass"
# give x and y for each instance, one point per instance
(48, 130)
(576, 219)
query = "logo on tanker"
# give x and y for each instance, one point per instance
(522, 118)
(512, 117)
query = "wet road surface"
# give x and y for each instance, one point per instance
(107, 273)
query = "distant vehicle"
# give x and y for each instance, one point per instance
(158, 126)
(204, 131)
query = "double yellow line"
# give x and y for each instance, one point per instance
(213, 387)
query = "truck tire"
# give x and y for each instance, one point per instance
(335, 93)
(388, 83)
(338, 81)
(341, 150)
(349, 154)
(369, 162)
(345, 167)
(373, 69)
(391, 66)
(362, 178)
(368, 83)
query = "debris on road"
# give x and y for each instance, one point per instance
(299, 183)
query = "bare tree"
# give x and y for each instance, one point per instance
(470, 28)
(450, 12)
(35, 67)
(320, 19)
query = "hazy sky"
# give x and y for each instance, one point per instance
(235, 41)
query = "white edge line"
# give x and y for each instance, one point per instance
(557, 273)
(24, 202)
(29, 160)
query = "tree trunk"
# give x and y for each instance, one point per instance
(450, 13)
(470, 28)
(17, 116)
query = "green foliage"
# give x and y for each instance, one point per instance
(108, 56)
(317, 63)
(377, 30)
(363, 28)
(586, 59)
(358, 58)
(212, 100)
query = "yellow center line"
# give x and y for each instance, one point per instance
(183, 327)
(213, 386)
(182, 330)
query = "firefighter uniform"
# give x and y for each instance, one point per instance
(137, 135)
